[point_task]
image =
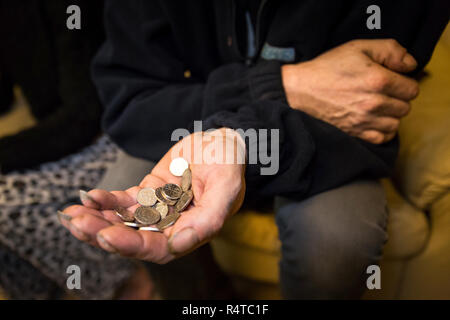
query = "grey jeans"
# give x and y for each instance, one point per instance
(328, 241)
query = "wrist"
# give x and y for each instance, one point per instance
(287, 77)
(233, 146)
(291, 75)
(220, 146)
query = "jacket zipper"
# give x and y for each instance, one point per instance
(235, 45)
(257, 31)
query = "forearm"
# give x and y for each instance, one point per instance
(306, 156)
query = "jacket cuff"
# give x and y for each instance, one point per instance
(266, 83)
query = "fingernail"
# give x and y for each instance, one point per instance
(183, 241)
(84, 196)
(105, 244)
(409, 60)
(63, 216)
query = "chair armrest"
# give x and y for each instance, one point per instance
(422, 172)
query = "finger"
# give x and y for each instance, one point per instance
(88, 201)
(383, 124)
(389, 136)
(389, 53)
(112, 216)
(376, 137)
(110, 200)
(128, 197)
(86, 226)
(199, 224)
(159, 176)
(76, 210)
(195, 227)
(73, 211)
(400, 87)
(143, 245)
(385, 81)
(372, 136)
(383, 105)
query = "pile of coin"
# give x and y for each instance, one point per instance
(161, 207)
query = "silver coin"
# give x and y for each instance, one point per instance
(186, 180)
(162, 208)
(171, 191)
(146, 197)
(184, 201)
(162, 198)
(149, 229)
(124, 214)
(133, 224)
(147, 215)
(177, 166)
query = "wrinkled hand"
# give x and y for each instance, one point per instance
(357, 87)
(218, 193)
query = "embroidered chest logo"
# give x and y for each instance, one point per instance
(277, 53)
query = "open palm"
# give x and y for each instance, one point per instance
(218, 193)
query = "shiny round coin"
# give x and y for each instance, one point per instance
(124, 214)
(184, 201)
(147, 215)
(177, 166)
(162, 208)
(186, 180)
(146, 197)
(168, 221)
(171, 191)
(162, 198)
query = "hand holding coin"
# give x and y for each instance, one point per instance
(217, 191)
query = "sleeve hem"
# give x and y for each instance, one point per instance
(266, 83)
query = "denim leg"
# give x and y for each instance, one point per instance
(330, 239)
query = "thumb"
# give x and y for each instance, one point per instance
(194, 228)
(389, 53)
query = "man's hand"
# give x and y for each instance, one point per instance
(357, 87)
(218, 193)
